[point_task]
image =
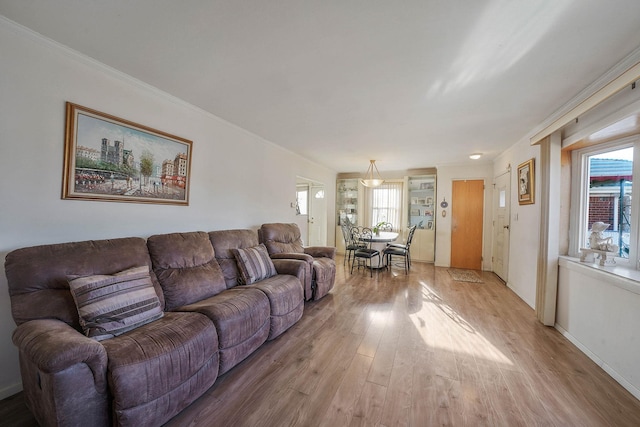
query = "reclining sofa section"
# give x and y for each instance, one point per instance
(191, 322)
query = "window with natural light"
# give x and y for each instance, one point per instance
(606, 200)
(302, 201)
(386, 204)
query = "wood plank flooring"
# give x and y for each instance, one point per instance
(410, 350)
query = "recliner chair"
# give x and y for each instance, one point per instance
(283, 241)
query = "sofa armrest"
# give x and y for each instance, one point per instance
(293, 255)
(300, 268)
(53, 346)
(321, 251)
(293, 267)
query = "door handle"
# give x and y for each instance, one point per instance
(505, 226)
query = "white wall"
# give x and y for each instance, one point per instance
(446, 175)
(598, 311)
(237, 179)
(524, 236)
(600, 314)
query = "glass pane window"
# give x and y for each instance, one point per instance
(608, 201)
(302, 201)
(386, 204)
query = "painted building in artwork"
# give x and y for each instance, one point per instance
(167, 169)
(87, 153)
(174, 171)
(112, 153)
(128, 159)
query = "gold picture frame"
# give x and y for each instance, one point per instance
(526, 182)
(107, 158)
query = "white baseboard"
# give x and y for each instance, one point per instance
(10, 390)
(608, 369)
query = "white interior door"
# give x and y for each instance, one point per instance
(317, 215)
(501, 217)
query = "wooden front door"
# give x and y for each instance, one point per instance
(467, 209)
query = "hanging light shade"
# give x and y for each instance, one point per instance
(369, 179)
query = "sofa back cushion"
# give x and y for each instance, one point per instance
(37, 276)
(224, 242)
(281, 238)
(186, 267)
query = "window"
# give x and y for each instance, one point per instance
(386, 204)
(606, 198)
(302, 200)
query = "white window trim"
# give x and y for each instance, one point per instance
(580, 193)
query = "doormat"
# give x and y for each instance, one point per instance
(462, 275)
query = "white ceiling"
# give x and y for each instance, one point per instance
(411, 83)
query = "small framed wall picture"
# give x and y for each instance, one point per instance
(526, 182)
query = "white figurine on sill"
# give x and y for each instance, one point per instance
(597, 241)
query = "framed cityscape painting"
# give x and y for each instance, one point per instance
(111, 159)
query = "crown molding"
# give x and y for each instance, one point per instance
(615, 79)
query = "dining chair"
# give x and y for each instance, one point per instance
(350, 245)
(403, 250)
(365, 252)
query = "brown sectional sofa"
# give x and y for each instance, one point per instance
(146, 375)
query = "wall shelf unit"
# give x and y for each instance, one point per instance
(421, 210)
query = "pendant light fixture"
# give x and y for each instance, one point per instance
(369, 179)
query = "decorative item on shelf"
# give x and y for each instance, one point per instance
(369, 179)
(598, 241)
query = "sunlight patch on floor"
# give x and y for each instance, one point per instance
(453, 333)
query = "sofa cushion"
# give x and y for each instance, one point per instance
(157, 370)
(254, 264)
(224, 242)
(186, 267)
(286, 301)
(110, 305)
(241, 317)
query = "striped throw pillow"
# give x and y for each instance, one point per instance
(110, 305)
(254, 264)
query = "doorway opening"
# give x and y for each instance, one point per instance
(311, 211)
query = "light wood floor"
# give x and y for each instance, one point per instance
(416, 350)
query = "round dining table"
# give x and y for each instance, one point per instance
(379, 242)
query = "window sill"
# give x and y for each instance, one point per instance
(617, 275)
